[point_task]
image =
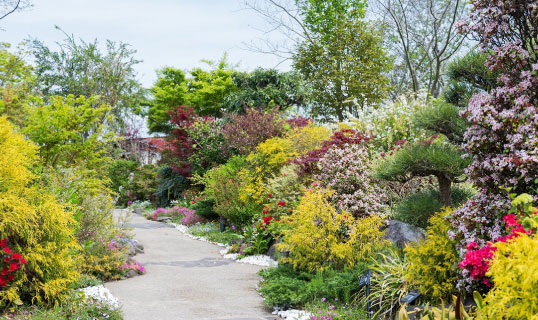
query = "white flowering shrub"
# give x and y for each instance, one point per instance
(392, 121)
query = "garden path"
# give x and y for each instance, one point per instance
(186, 279)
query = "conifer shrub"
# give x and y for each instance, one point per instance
(432, 263)
(416, 209)
(320, 237)
(35, 225)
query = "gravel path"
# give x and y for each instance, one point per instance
(187, 279)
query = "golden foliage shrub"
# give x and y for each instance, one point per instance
(514, 271)
(35, 224)
(271, 155)
(432, 262)
(319, 237)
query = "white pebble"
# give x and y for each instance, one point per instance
(259, 260)
(293, 314)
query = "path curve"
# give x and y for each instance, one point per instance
(186, 279)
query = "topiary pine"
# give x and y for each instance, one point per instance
(434, 157)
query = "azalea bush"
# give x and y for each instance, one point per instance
(520, 220)
(10, 262)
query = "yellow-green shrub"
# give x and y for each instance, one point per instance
(514, 271)
(307, 138)
(432, 262)
(286, 185)
(35, 224)
(319, 237)
(272, 154)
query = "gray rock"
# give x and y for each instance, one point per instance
(274, 253)
(164, 219)
(139, 248)
(402, 233)
(131, 251)
(131, 273)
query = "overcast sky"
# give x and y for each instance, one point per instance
(176, 33)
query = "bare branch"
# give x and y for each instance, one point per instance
(17, 6)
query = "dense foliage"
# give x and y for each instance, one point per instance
(265, 89)
(34, 225)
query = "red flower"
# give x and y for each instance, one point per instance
(281, 203)
(3, 242)
(23, 261)
(270, 195)
(267, 220)
(5, 272)
(265, 212)
(2, 282)
(13, 267)
(7, 259)
(511, 220)
(193, 202)
(10, 277)
(7, 250)
(16, 256)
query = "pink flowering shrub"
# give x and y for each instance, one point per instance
(133, 265)
(189, 216)
(157, 213)
(183, 215)
(502, 140)
(345, 169)
(307, 164)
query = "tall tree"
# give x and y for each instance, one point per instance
(17, 82)
(81, 68)
(169, 92)
(422, 35)
(206, 90)
(296, 20)
(346, 68)
(339, 55)
(70, 132)
(265, 89)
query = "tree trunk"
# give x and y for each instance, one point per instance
(444, 190)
